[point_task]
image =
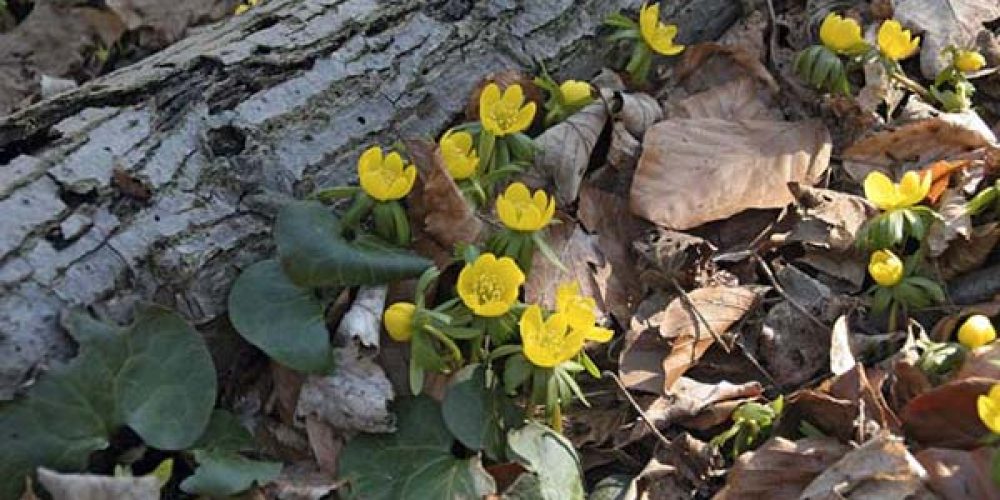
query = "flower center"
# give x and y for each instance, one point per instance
(524, 209)
(387, 175)
(504, 115)
(488, 289)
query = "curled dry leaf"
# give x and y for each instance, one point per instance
(964, 255)
(637, 112)
(689, 327)
(437, 201)
(94, 487)
(955, 223)
(623, 153)
(878, 90)
(356, 396)
(565, 149)
(918, 143)
(944, 23)
(828, 219)
(694, 171)
(780, 468)
(744, 98)
(881, 468)
(958, 475)
(687, 399)
(946, 415)
(706, 65)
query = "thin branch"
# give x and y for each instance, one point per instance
(697, 332)
(777, 286)
(642, 413)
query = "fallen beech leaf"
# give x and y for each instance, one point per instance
(908, 382)
(685, 327)
(880, 468)
(748, 34)
(694, 171)
(623, 153)
(606, 215)
(686, 399)
(964, 255)
(744, 98)
(828, 219)
(955, 223)
(672, 256)
(94, 487)
(958, 475)
(565, 149)
(944, 23)
(983, 362)
(946, 416)
(580, 254)
(706, 65)
(864, 385)
(879, 90)
(941, 176)
(445, 213)
(918, 143)
(638, 112)
(780, 468)
(640, 364)
(833, 417)
(679, 471)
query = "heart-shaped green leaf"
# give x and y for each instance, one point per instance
(284, 320)
(155, 376)
(551, 457)
(224, 473)
(413, 463)
(314, 253)
(477, 416)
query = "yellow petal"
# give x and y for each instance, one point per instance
(598, 334)
(989, 412)
(969, 60)
(649, 18)
(517, 192)
(523, 119)
(394, 162)
(842, 35)
(513, 97)
(371, 159)
(913, 188)
(880, 190)
(489, 97)
(995, 393)
(886, 268)
(398, 319)
(575, 92)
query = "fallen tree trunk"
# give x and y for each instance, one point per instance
(157, 182)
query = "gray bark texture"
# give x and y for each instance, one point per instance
(158, 181)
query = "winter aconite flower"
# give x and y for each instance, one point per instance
(398, 319)
(969, 60)
(658, 36)
(550, 342)
(886, 268)
(977, 331)
(575, 93)
(989, 409)
(881, 191)
(385, 179)
(505, 114)
(489, 286)
(520, 211)
(459, 154)
(579, 312)
(842, 35)
(895, 42)
(243, 7)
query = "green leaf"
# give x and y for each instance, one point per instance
(476, 415)
(413, 463)
(224, 473)
(284, 320)
(225, 432)
(516, 371)
(155, 376)
(314, 253)
(551, 457)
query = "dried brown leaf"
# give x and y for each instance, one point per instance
(744, 98)
(693, 171)
(166, 22)
(964, 255)
(828, 219)
(580, 253)
(955, 223)
(833, 417)
(706, 65)
(672, 256)
(565, 149)
(958, 475)
(640, 364)
(687, 399)
(946, 416)
(983, 362)
(638, 112)
(780, 469)
(881, 468)
(678, 471)
(689, 329)
(623, 153)
(447, 216)
(944, 23)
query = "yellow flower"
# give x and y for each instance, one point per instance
(241, 9)
(489, 286)
(977, 331)
(842, 35)
(551, 342)
(385, 179)
(459, 156)
(575, 93)
(969, 61)
(658, 36)
(880, 190)
(521, 211)
(886, 269)
(989, 409)
(506, 114)
(895, 42)
(398, 319)
(579, 312)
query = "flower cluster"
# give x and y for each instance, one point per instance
(651, 36)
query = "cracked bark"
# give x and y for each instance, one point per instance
(223, 126)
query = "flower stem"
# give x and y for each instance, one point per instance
(446, 340)
(912, 86)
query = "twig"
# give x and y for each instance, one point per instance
(756, 364)
(777, 286)
(697, 332)
(642, 413)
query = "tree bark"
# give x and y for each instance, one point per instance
(158, 182)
